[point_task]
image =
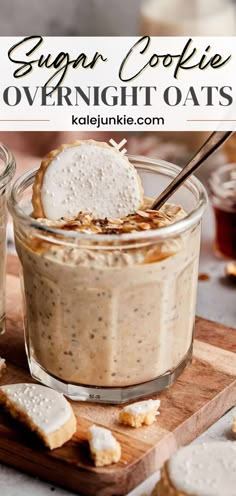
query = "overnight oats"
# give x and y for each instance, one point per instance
(109, 300)
(7, 170)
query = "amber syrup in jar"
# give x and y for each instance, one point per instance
(223, 195)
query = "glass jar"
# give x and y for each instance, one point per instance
(188, 18)
(222, 185)
(109, 318)
(7, 170)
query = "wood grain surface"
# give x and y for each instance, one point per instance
(203, 393)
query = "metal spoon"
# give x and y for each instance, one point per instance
(215, 140)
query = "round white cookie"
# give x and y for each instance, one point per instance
(42, 410)
(207, 469)
(86, 176)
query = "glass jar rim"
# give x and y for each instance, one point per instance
(191, 219)
(10, 166)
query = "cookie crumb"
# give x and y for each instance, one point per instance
(233, 428)
(230, 271)
(140, 413)
(2, 366)
(104, 447)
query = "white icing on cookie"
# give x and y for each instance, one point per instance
(207, 469)
(101, 439)
(47, 409)
(90, 178)
(142, 407)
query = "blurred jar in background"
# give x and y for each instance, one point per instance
(188, 18)
(222, 184)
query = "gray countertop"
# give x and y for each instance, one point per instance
(216, 297)
(216, 301)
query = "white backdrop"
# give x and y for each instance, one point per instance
(24, 113)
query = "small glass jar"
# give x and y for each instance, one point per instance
(109, 318)
(7, 170)
(222, 185)
(193, 18)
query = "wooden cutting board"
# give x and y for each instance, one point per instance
(204, 392)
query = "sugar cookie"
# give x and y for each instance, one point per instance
(207, 469)
(86, 176)
(42, 410)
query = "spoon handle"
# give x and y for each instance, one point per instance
(215, 140)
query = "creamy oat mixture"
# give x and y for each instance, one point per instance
(116, 316)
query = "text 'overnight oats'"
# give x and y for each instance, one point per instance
(109, 302)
